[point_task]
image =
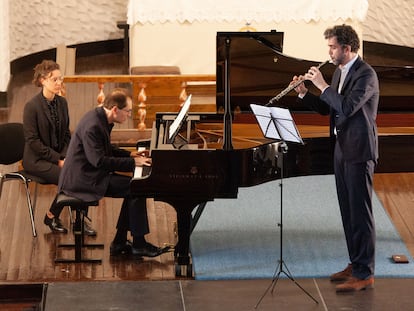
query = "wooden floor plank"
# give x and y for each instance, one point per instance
(396, 194)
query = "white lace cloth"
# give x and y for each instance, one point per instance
(161, 11)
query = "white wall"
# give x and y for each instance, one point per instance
(4, 45)
(27, 27)
(192, 47)
(38, 25)
(390, 21)
(43, 24)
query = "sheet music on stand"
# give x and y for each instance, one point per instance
(276, 123)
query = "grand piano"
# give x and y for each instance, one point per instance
(214, 154)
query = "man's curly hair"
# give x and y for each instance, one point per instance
(345, 35)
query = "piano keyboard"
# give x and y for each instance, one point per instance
(141, 171)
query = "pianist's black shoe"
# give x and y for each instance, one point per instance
(117, 249)
(148, 250)
(55, 224)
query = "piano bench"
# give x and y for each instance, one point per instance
(80, 207)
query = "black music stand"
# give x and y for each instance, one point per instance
(277, 123)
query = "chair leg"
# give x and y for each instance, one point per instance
(30, 207)
(35, 197)
(1, 184)
(25, 182)
(70, 215)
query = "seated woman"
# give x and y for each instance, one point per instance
(47, 134)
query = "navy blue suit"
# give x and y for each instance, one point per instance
(353, 113)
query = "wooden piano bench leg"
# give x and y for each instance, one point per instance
(79, 245)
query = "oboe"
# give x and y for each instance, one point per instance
(291, 87)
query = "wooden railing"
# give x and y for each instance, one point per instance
(156, 93)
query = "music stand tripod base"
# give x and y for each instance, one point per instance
(277, 123)
(281, 265)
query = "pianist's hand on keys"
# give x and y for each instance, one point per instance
(142, 162)
(141, 152)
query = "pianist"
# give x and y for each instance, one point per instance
(89, 172)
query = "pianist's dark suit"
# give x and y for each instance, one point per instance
(353, 113)
(90, 163)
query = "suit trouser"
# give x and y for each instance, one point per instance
(354, 182)
(133, 214)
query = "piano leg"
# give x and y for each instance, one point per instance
(182, 254)
(197, 215)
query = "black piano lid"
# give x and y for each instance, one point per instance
(258, 68)
(389, 55)
(258, 71)
(394, 65)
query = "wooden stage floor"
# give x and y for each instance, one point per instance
(26, 260)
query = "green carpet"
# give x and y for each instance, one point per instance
(240, 238)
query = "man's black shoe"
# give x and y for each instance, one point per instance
(55, 225)
(88, 230)
(117, 249)
(149, 251)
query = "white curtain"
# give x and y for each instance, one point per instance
(187, 29)
(154, 11)
(4, 46)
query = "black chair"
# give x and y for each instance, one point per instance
(12, 147)
(80, 207)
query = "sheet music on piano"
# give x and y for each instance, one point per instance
(175, 126)
(173, 131)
